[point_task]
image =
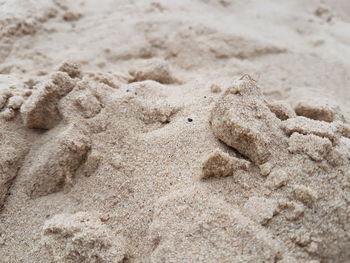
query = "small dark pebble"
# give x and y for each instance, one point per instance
(349, 158)
(205, 97)
(127, 90)
(189, 119)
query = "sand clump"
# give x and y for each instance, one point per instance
(317, 111)
(12, 96)
(282, 110)
(157, 70)
(40, 110)
(72, 69)
(314, 146)
(221, 164)
(307, 126)
(260, 210)
(81, 237)
(243, 121)
(215, 88)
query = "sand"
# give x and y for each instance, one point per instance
(174, 131)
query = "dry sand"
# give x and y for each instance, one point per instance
(174, 131)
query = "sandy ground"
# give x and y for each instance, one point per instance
(174, 131)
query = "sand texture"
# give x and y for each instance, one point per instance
(174, 131)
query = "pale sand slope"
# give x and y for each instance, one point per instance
(130, 132)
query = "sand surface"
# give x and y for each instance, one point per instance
(174, 131)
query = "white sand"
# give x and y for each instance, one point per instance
(174, 131)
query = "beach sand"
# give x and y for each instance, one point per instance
(174, 131)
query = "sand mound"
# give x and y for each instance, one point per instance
(295, 148)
